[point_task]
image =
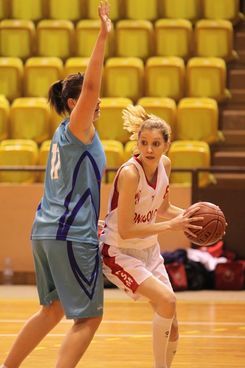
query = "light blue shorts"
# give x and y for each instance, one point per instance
(70, 272)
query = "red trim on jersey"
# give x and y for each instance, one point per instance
(153, 185)
(118, 270)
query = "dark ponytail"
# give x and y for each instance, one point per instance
(62, 90)
(55, 97)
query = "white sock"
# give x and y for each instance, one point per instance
(171, 351)
(161, 331)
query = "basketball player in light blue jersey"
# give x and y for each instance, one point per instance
(64, 234)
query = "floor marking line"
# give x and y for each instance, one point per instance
(144, 335)
(196, 323)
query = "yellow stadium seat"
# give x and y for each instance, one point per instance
(66, 9)
(78, 64)
(86, 34)
(30, 119)
(18, 152)
(11, 77)
(197, 119)
(129, 148)
(17, 38)
(55, 38)
(27, 9)
(215, 38)
(163, 107)
(206, 77)
(40, 73)
(75, 64)
(123, 77)
(116, 9)
(43, 157)
(185, 9)
(219, 10)
(114, 157)
(141, 9)
(4, 9)
(173, 37)
(189, 154)
(110, 123)
(164, 77)
(134, 38)
(4, 117)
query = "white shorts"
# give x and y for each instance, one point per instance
(128, 268)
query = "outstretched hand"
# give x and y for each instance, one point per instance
(104, 12)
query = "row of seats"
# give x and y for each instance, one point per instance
(131, 9)
(183, 154)
(122, 77)
(192, 119)
(137, 38)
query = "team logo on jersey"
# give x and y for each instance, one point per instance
(125, 278)
(142, 218)
(137, 197)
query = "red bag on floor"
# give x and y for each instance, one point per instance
(177, 275)
(229, 276)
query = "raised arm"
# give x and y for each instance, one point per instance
(82, 115)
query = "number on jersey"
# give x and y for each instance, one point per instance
(55, 162)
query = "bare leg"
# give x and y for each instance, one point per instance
(163, 302)
(160, 296)
(77, 341)
(34, 330)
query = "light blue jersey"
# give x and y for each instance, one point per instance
(69, 209)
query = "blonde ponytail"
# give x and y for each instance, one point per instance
(133, 118)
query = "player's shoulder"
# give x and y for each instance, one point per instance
(129, 171)
(167, 164)
(128, 176)
(166, 160)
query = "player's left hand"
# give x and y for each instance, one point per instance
(104, 14)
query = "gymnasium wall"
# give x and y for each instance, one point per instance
(18, 204)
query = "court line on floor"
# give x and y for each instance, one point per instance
(142, 335)
(194, 323)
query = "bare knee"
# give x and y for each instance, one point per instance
(93, 322)
(166, 305)
(53, 312)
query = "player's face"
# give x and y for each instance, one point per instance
(97, 110)
(151, 145)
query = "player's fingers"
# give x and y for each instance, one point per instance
(197, 218)
(190, 233)
(197, 227)
(192, 211)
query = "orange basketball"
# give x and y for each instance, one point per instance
(213, 224)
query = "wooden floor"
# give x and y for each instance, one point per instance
(212, 332)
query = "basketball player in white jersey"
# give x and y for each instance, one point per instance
(130, 249)
(64, 235)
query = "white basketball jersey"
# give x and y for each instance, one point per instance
(148, 199)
